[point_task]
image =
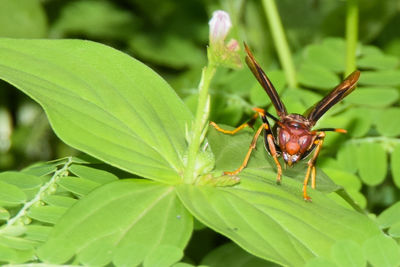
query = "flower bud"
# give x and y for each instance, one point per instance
(220, 24)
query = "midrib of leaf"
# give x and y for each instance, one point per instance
(93, 91)
(131, 134)
(227, 222)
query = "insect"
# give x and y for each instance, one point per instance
(292, 136)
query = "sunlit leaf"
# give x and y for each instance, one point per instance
(95, 175)
(317, 77)
(372, 163)
(62, 201)
(395, 165)
(388, 122)
(325, 56)
(374, 96)
(381, 78)
(274, 222)
(378, 62)
(48, 214)
(126, 222)
(232, 255)
(10, 195)
(382, 251)
(347, 156)
(390, 216)
(77, 186)
(348, 253)
(102, 102)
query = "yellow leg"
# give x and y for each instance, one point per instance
(258, 111)
(246, 159)
(274, 154)
(311, 166)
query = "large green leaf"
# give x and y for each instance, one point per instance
(102, 102)
(274, 222)
(127, 222)
(270, 221)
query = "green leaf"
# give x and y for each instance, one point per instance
(77, 186)
(95, 175)
(95, 19)
(230, 151)
(22, 19)
(10, 195)
(62, 201)
(380, 78)
(390, 216)
(372, 163)
(326, 56)
(21, 180)
(317, 77)
(37, 232)
(163, 255)
(169, 50)
(123, 221)
(394, 231)
(48, 214)
(374, 96)
(274, 222)
(378, 62)
(93, 94)
(395, 165)
(348, 253)
(388, 122)
(258, 96)
(232, 255)
(320, 261)
(347, 156)
(16, 242)
(382, 251)
(4, 214)
(350, 182)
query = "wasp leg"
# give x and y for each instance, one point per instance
(274, 154)
(250, 123)
(246, 159)
(311, 166)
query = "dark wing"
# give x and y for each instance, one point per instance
(265, 82)
(337, 94)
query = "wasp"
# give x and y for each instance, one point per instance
(292, 135)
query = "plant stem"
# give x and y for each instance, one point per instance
(199, 123)
(281, 44)
(351, 35)
(39, 195)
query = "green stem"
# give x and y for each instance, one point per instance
(198, 126)
(281, 44)
(39, 195)
(351, 35)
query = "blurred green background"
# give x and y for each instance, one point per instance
(171, 37)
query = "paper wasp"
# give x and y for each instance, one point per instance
(292, 136)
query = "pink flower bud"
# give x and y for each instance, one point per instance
(220, 25)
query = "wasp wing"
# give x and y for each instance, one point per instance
(337, 94)
(265, 83)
